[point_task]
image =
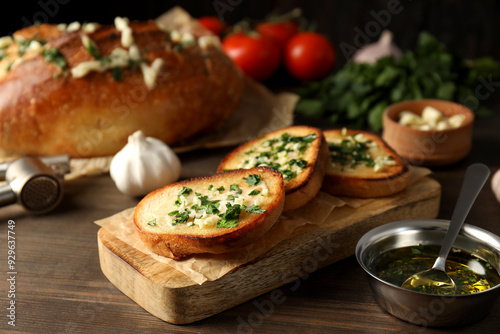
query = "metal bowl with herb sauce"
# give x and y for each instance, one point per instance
(392, 252)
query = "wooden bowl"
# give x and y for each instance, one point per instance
(428, 147)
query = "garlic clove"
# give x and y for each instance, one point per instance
(409, 118)
(495, 185)
(442, 125)
(456, 120)
(143, 165)
(431, 116)
(384, 47)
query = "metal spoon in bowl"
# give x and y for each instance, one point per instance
(475, 177)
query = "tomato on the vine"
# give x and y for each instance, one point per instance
(256, 56)
(309, 56)
(213, 23)
(280, 31)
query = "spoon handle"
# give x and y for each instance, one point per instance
(475, 178)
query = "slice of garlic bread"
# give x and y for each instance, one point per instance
(300, 153)
(210, 214)
(362, 165)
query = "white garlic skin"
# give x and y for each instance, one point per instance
(143, 165)
(495, 184)
(384, 47)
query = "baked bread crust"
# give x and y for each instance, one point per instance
(363, 181)
(179, 242)
(303, 188)
(44, 112)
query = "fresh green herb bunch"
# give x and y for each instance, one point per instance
(357, 95)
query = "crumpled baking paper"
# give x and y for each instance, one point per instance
(209, 267)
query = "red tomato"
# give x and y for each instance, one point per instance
(281, 32)
(213, 24)
(256, 56)
(309, 56)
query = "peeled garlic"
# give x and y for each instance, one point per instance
(409, 118)
(374, 51)
(431, 116)
(431, 119)
(143, 165)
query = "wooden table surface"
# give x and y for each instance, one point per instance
(59, 286)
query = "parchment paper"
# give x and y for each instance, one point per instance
(206, 267)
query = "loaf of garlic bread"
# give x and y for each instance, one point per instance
(82, 89)
(211, 214)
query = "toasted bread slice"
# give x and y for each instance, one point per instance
(362, 165)
(300, 153)
(210, 214)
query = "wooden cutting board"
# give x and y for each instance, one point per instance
(173, 297)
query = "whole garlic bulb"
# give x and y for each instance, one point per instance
(374, 51)
(143, 165)
(495, 184)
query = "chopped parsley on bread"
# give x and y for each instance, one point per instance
(362, 165)
(300, 153)
(212, 214)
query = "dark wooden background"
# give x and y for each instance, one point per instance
(470, 27)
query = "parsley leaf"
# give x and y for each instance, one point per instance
(254, 192)
(210, 207)
(252, 180)
(54, 56)
(221, 188)
(309, 138)
(210, 187)
(235, 187)
(254, 209)
(94, 52)
(117, 73)
(275, 166)
(185, 191)
(301, 163)
(286, 137)
(181, 217)
(250, 152)
(152, 222)
(288, 174)
(416, 251)
(230, 217)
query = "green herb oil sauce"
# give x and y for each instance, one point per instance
(470, 273)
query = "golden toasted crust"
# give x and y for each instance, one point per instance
(182, 241)
(45, 113)
(304, 187)
(363, 181)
